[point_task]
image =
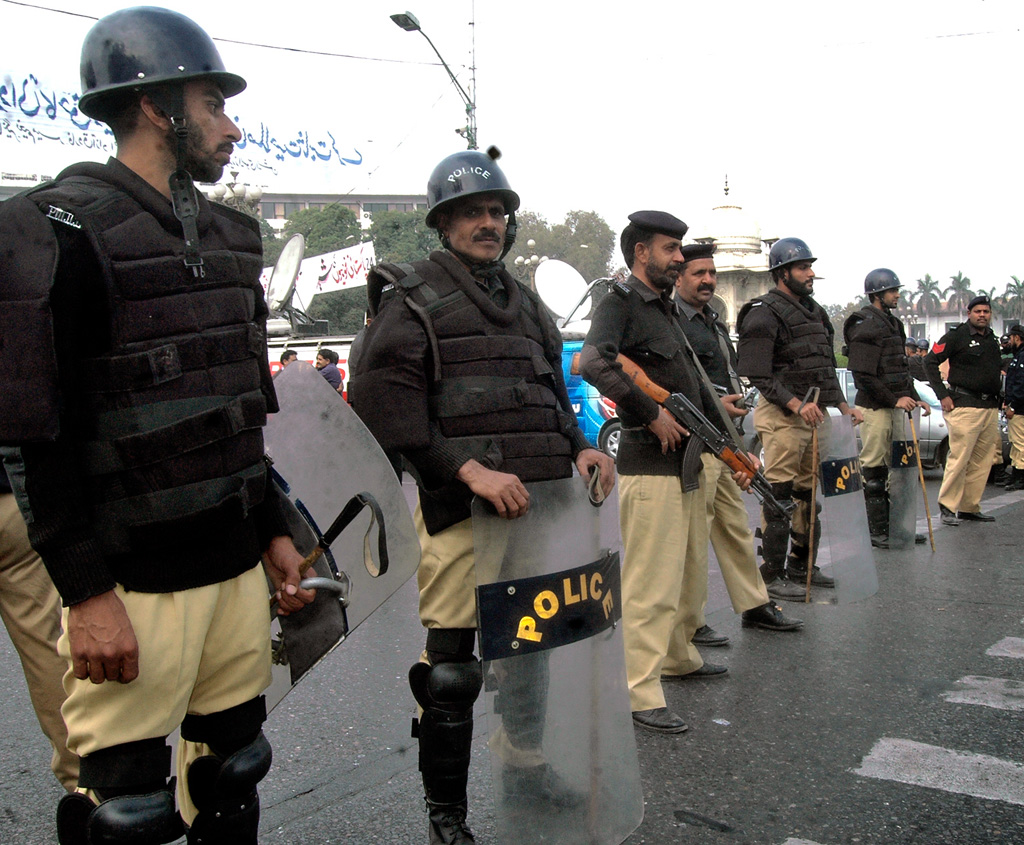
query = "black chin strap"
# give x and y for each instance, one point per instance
(183, 190)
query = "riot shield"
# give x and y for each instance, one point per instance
(904, 485)
(549, 601)
(844, 515)
(326, 462)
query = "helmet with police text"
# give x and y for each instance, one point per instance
(464, 174)
(880, 280)
(788, 251)
(145, 46)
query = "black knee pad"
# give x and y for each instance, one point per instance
(130, 819)
(451, 687)
(875, 479)
(223, 785)
(224, 792)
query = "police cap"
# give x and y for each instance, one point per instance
(691, 252)
(659, 222)
(979, 300)
(1017, 331)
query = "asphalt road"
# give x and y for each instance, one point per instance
(892, 720)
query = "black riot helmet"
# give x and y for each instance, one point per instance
(464, 174)
(881, 280)
(141, 47)
(156, 50)
(788, 251)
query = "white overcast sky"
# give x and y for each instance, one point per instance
(883, 133)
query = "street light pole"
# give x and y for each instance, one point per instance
(408, 22)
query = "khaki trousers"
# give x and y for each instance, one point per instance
(30, 608)
(446, 578)
(973, 436)
(201, 651)
(731, 538)
(1015, 431)
(876, 436)
(788, 456)
(664, 581)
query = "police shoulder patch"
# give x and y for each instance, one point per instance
(622, 289)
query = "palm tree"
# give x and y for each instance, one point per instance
(960, 286)
(1013, 298)
(928, 295)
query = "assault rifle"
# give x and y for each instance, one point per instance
(704, 433)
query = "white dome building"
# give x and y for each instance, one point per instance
(741, 257)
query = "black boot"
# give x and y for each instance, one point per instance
(448, 824)
(876, 499)
(1016, 481)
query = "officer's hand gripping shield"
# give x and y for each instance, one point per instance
(323, 457)
(904, 484)
(560, 730)
(845, 519)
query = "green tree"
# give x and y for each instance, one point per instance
(325, 230)
(400, 236)
(583, 240)
(928, 295)
(960, 290)
(345, 310)
(1013, 298)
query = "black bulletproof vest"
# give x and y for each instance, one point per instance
(493, 384)
(805, 359)
(170, 431)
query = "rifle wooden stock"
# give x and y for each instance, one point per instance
(639, 377)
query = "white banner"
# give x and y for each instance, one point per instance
(343, 268)
(42, 132)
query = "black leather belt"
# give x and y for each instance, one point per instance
(984, 397)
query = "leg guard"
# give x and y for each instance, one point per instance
(446, 691)
(775, 534)
(876, 499)
(222, 785)
(800, 556)
(136, 802)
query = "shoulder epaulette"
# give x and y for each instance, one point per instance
(622, 289)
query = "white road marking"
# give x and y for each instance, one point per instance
(997, 693)
(1007, 647)
(917, 764)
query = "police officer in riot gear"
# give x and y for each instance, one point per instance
(144, 482)
(786, 348)
(461, 374)
(875, 339)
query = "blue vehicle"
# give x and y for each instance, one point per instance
(594, 412)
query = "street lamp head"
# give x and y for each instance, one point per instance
(407, 21)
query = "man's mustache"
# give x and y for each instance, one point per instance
(706, 286)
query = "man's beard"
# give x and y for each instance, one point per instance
(664, 278)
(200, 166)
(800, 288)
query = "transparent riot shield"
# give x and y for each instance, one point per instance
(845, 519)
(904, 485)
(326, 462)
(560, 730)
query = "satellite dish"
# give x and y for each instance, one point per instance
(560, 286)
(286, 271)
